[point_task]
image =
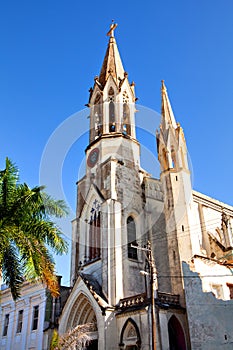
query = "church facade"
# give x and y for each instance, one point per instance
(151, 264)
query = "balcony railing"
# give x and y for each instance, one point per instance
(136, 300)
(168, 298)
(142, 299)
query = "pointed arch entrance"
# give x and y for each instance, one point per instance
(82, 313)
(176, 334)
(130, 338)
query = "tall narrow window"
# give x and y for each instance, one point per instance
(19, 322)
(112, 117)
(173, 156)
(98, 115)
(35, 317)
(6, 324)
(126, 119)
(112, 124)
(94, 232)
(131, 235)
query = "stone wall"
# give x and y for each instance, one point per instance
(210, 318)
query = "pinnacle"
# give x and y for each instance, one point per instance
(112, 63)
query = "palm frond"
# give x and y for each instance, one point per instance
(77, 338)
(8, 181)
(53, 207)
(46, 232)
(38, 263)
(11, 270)
(27, 232)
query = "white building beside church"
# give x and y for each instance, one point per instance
(28, 323)
(22, 321)
(119, 207)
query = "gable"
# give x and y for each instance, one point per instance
(93, 199)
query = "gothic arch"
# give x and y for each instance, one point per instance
(126, 119)
(176, 334)
(90, 223)
(130, 336)
(98, 114)
(81, 312)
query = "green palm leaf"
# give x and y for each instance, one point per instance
(28, 235)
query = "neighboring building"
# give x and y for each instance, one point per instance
(28, 323)
(119, 204)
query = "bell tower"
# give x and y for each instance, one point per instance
(112, 117)
(112, 98)
(110, 194)
(177, 187)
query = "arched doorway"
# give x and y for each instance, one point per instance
(130, 338)
(176, 334)
(82, 313)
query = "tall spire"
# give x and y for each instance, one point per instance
(167, 113)
(171, 145)
(112, 98)
(112, 61)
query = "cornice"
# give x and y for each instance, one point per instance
(212, 203)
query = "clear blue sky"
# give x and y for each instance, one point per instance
(51, 51)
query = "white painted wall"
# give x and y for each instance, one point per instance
(31, 295)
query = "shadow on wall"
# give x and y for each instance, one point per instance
(209, 318)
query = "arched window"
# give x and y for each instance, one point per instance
(126, 119)
(130, 338)
(173, 156)
(112, 124)
(131, 236)
(112, 117)
(94, 232)
(98, 116)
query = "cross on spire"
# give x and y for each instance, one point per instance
(112, 28)
(112, 63)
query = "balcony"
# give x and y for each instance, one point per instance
(168, 299)
(132, 302)
(164, 300)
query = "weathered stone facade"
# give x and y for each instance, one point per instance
(119, 209)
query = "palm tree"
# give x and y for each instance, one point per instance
(76, 338)
(28, 237)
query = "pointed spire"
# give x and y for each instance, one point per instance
(166, 111)
(112, 61)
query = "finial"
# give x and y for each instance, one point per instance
(163, 85)
(112, 28)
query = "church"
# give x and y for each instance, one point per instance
(152, 259)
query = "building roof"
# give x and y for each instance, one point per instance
(96, 290)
